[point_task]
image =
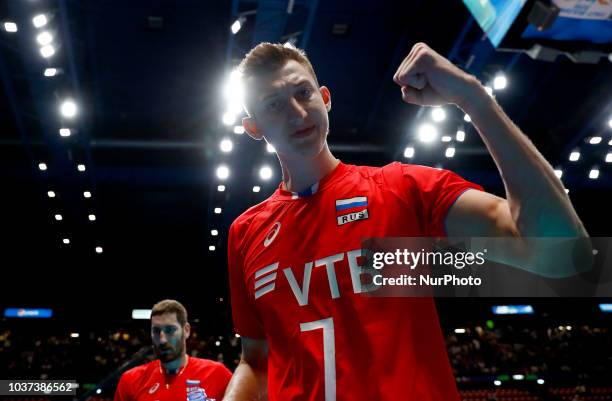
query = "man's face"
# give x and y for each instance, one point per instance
(289, 111)
(168, 337)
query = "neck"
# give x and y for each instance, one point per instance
(174, 366)
(300, 173)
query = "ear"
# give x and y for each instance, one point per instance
(187, 330)
(251, 128)
(325, 93)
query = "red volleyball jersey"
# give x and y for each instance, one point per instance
(149, 382)
(294, 268)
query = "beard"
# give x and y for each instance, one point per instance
(167, 353)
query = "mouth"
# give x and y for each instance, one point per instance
(303, 132)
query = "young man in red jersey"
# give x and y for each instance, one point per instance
(294, 267)
(174, 376)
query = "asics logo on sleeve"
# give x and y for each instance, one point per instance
(272, 233)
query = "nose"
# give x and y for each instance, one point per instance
(162, 338)
(297, 113)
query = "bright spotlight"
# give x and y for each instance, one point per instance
(409, 152)
(256, 188)
(559, 173)
(500, 82)
(226, 145)
(64, 132)
(238, 130)
(229, 118)
(574, 156)
(221, 188)
(467, 118)
(223, 172)
(450, 152)
(50, 72)
(594, 173)
(438, 114)
(47, 51)
(237, 25)
(44, 38)
(427, 133)
(594, 140)
(270, 148)
(489, 90)
(265, 173)
(68, 108)
(40, 20)
(460, 135)
(10, 27)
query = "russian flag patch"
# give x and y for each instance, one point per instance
(352, 209)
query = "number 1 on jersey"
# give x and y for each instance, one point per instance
(329, 353)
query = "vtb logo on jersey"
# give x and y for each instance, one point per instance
(350, 210)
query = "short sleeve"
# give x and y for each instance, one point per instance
(221, 377)
(436, 190)
(121, 393)
(244, 314)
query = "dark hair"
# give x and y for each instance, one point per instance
(170, 306)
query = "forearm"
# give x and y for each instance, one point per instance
(538, 203)
(247, 384)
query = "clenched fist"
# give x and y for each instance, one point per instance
(429, 79)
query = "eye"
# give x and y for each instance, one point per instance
(305, 93)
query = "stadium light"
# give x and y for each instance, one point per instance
(594, 140)
(574, 156)
(270, 148)
(609, 157)
(221, 188)
(460, 137)
(559, 173)
(44, 38)
(594, 173)
(86, 194)
(211, 248)
(92, 217)
(81, 167)
(237, 25)
(500, 82)
(226, 145)
(460, 331)
(99, 249)
(238, 129)
(64, 132)
(40, 20)
(68, 108)
(58, 217)
(214, 233)
(141, 314)
(489, 90)
(427, 133)
(51, 194)
(497, 382)
(467, 118)
(438, 114)
(256, 188)
(265, 173)
(217, 210)
(409, 152)
(223, 172)
(66, 241)
(446, 138)
(10, 26)
(50, 72)
(450, 152)
(47, 51)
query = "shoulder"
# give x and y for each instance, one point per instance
(137, 372)
(208, 365)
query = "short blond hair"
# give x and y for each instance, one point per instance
(268, 57)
